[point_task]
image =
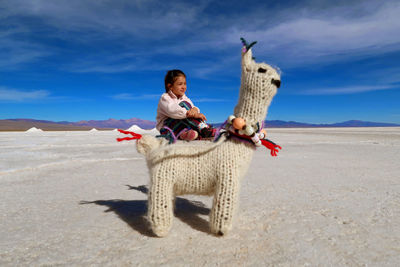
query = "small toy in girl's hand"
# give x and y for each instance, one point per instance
(202, 125)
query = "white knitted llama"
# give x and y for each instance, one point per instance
(210, 168)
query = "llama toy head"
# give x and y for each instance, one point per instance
(259, 84)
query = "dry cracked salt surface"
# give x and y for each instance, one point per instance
(331, 197)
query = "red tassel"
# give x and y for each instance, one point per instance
(272, 146)
(134, 136)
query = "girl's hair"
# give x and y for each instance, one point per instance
(171, 77)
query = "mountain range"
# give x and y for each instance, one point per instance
(25, 124)
(350, 123)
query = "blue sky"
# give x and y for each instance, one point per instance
(79, 60)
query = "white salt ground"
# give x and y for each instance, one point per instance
(331, 197)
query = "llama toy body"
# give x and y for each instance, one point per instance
(210, 168)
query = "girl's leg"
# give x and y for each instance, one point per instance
(189, 135)
(177, 127)
(204, 130)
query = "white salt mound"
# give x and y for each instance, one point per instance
(34, 130)
(93, 130)
(153, 131)
(135, 128)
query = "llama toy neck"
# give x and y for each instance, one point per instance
(252, 106)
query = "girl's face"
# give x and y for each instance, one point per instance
(179, 86)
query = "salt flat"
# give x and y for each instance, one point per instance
(331, 197)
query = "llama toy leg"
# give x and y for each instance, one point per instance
(161, 206)
(225, 200)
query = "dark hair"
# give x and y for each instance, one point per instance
(171, 77)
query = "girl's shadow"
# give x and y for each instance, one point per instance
(133, 212)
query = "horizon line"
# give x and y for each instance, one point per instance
(287, 121)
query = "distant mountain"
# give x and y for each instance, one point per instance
(295, 124)
(287, 124)
(113, 123)
(25, 124)
(355, 123)
(351, 123)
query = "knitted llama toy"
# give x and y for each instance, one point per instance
(209, 168)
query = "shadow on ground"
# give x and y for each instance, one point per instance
(133, 212)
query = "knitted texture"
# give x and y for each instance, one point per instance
(205, 168)
(256, 89)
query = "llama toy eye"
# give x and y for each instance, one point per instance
(277, 83)
(261, 70)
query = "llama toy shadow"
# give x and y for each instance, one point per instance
(134, 212)
(130, 211)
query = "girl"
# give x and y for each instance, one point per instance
(177, 113)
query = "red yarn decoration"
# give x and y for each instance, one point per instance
(265, 142)
(272, 146)
(134, 136)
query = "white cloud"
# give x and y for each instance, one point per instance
(287, 36)
(326, 36)
(127, 96)
(12, 95)
(382, 74)
(26, 27)
(346, 90)
(139, 18)
(211, 100)
(110, 64)
(14, 50)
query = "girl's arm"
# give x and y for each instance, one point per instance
(194, 112)
(200, 116)
(193, 106)
(168, 107)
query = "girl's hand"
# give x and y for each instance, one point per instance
(191, 113)
(200, 116)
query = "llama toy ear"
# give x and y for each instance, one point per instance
(247, 57)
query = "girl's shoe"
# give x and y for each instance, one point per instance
(189, 135)
(208, 132)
